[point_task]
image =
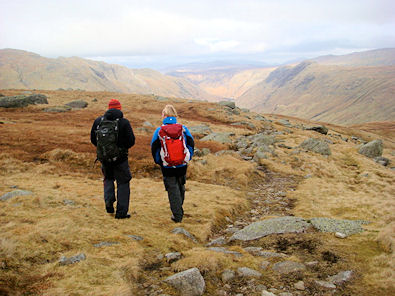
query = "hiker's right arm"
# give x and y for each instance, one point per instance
(93, 131)
(155, 147)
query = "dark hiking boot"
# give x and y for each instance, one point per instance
(118, 216)
(110, 209)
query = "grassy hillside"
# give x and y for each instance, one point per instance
(21, 69)
(50, 155)
(336, 94)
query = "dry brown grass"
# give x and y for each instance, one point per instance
(50, 154)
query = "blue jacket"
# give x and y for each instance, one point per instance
(155, 142)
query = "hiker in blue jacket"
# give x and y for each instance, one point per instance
(163, 153)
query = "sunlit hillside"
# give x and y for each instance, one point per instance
(22, 69)
(231, 184)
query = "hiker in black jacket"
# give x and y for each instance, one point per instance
(117, 170)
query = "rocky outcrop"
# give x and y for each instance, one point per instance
(71, 260)
(78, 104)
(223, 138)
(180, 230)
(346, 227)
(372, 149)
(316, 145)
(271, 226)
(14, 193)
(318, 128)
(189, 282)
(286, 267)
(22, 101)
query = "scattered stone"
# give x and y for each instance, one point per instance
(248, 272)
(347, 227)
(223, 138)
(316, 145)
(280, 225)
(284, 146)
(189, 282)
(228, 275)
(200, 129)
(264, 264)
(57, 109)
(148, 124)
(286, 267)
(225, 251)
(77, 258)
(69, 202)
(135, 237)
(312, 263)
(300, 286)
(78, 104)
(105, 244)
(161, 99)
(308, 176)
(382, 160)
(372, 149)
(218, 241)
(318, 128)
(94, 100)
(326, 285)
(267, 293)
(172, 257)
(285, 122)
(260, 117)
(340, 235)
(201, 153)
(22, 101)
(341, 277)
(14, 193)
(180, 230)
(229, 104)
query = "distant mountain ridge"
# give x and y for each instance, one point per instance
(346, 89)
(22, 69)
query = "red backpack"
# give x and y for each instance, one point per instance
(173, 148)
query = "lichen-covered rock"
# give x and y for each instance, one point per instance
(71, 260)
(172, 257)
(346, 227)
(382, 160)
(372, 149)
(318, 128)
(180, 230)
(228, 275)
(222, 138)
(229, 104)
(14, 193)
(200, 130)
(57, 109)
(189, 282)
(263, 228)
(22, 101)
(78, 104)
(286, 267)
(341, 277)
(248, 272)
(317, 146)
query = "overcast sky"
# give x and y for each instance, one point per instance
(163, 32)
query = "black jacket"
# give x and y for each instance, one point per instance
(126, 137)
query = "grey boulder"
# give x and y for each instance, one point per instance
(78, 104)
(14, 193)
(263, 228)
(189, 282)
(372, 149)
(316, 145)
(286, 267)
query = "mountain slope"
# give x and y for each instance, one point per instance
(336, 94)
(21, 69)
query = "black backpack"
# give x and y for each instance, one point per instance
(107, 139)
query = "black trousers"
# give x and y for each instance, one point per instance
(175, 187)
(122, 175)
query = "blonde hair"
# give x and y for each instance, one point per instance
(169, 110)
